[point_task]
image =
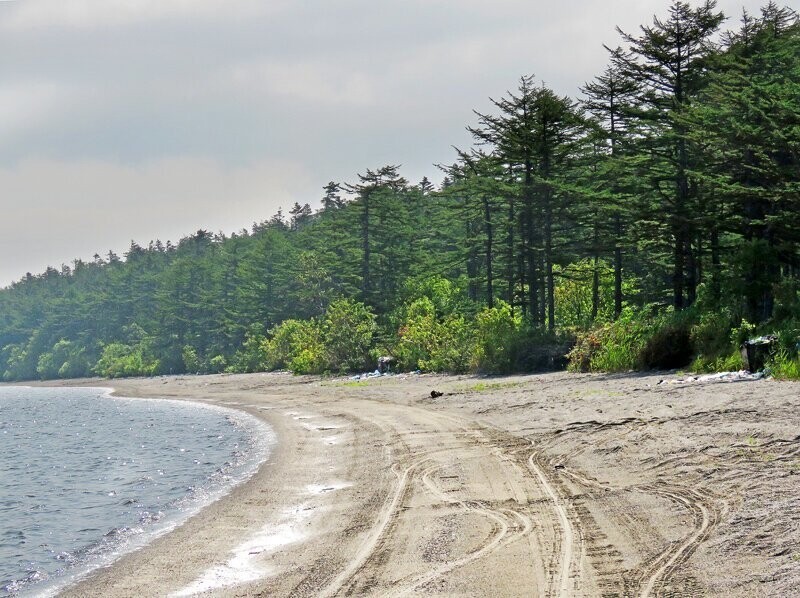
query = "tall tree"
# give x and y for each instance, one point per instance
(748, 126)
(533, 135)
(332, 198)
(370, 185)
(610, 99)
(668, 60)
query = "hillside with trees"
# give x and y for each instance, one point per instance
(651, 222)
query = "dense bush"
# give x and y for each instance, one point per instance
(119, 360)
(785, 365)
(251, 356)
(453, 348)
(347, 334)
(417, 335)
(432, 343)
(497, 339)
(715, 340)
(636, 340)
(341, 341)
(614, 347)
(65, 360)
(295, 345)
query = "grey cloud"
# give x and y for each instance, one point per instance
(331, 87)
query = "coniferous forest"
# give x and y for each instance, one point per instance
(652, 221)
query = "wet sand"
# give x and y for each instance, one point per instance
(548, 485)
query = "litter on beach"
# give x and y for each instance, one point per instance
(367, 375)
(740, 376)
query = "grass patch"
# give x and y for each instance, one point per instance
(709, 365)
(785, 366)
(484, 386)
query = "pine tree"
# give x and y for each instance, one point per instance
(668, 60)
(610, 99)
(368, 190)
(747, 125)
(332, 199)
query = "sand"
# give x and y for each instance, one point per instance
(543, 485)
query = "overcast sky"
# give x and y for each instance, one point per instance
(135, 120)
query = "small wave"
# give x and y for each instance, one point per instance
(170, 465)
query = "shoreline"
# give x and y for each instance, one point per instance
(554, 484)
(101, 580)
(216, 557)
(260, 445)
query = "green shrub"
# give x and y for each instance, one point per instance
(636, 340)
(283, 343)
(22, 359)
(619, 348)
(191, 361)
(417, 335)
(296, 345)
(347, 333)
(615, 347)
(785, 365)
(309, 360)
(725, 363)
(711, 333)
(788, 333)
(587, 346)
(119, 360)
(65, 360)
(452, 350)
(497, 338)
(715, 341)
(744, 331)
(446, 296)
(341, 341)
(216, 364)
(432, 343)
(251, 357)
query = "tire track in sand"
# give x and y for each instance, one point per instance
(506, 519)
(564, 587)
(657, 572)
(388, 513)
(664, 565)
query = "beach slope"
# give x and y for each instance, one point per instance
(548, 485)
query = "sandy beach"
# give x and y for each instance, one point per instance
(543, 485)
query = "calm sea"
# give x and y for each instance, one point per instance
(85, 477)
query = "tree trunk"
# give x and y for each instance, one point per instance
(472, 265)
(487, 215)
(530, 243)
(716, 289)
(366, 285)
(510, 250)
(617, 267)
(548, 262)
(691, 273)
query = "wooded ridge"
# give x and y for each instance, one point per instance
(651, 222)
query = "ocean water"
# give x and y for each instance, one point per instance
(85, 477)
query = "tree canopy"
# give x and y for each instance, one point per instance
(671, 185)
